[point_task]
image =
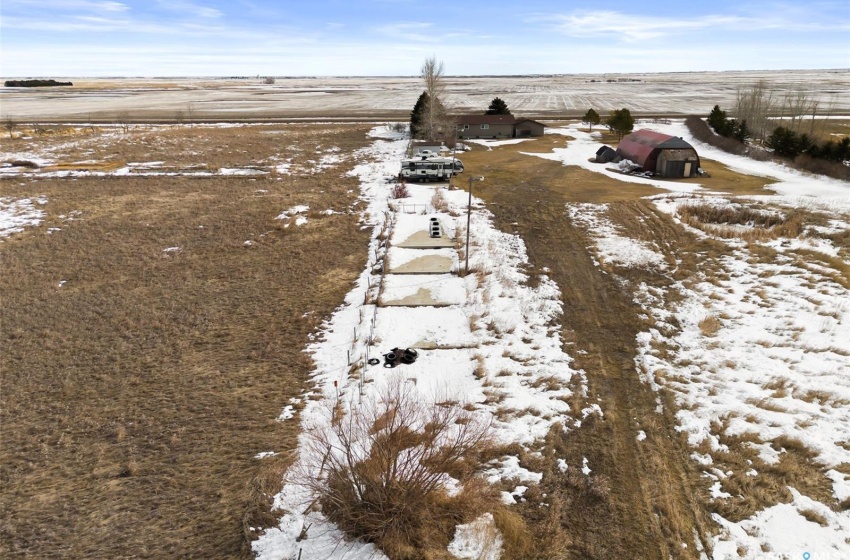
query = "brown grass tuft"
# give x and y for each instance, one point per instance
(710, 325)
(814, 517)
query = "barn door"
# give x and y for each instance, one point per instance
(687, 169)
(674, 169)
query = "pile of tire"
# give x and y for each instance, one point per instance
(398, 356)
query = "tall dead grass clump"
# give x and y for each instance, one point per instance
(380, 472)
(439, 202)
(722, 221)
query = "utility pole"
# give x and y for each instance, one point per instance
(468, 219)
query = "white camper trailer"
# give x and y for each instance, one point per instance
(433, 168)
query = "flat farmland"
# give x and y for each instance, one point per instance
(153, 328)
(170, 99)
(180, 299)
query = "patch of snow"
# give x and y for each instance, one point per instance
(477, 540)
(18, 214)
(286, 214)
(241, 171)
(785, 532)
(264, 454)
(611, 246)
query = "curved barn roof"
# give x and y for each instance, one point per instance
(639, 145)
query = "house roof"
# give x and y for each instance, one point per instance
(486, 119)
(529, 120)
(493, 119)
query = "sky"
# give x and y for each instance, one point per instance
(91, 38)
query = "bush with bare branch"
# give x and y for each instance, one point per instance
(10, 124)
(382, 470)
(399, 191)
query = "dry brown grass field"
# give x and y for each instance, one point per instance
(136, 395)
(654, 494)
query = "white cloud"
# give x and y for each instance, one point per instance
(189, 8)
(608, 23)
(69, 5)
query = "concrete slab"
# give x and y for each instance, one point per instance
(423, 240)
(421, 261)
(414, 291)
(413, 231)
(404, 327)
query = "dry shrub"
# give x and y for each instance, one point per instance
(721, 221)
(710, 325)
(399, 191)
(380, 472)
(439, 202)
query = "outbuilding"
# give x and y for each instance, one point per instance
(429, 148)
(606, 154)
(661, 154)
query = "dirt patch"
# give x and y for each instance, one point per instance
(643, 498)
(137, 394)
(651, 504)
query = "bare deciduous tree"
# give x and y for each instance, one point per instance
(435, 120)
(764, 110)
(756, 105)
(10, 124)
(190, 114)
(123, 120)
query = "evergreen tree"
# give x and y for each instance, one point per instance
(590, 118)
(498, 107)
(784, 142)
(621, 121)
(740, 132)
(417, 115)
(718, 121)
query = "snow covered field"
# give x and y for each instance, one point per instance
(673, 93)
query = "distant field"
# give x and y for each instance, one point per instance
(393, 97)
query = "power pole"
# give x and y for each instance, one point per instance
(468, 220)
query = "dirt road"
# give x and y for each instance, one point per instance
(640, 501)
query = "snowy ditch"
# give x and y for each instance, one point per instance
(493, 347)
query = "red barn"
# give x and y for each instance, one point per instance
(662, 154)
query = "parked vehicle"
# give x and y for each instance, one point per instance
(430, 168)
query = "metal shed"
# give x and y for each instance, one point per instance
(605, 154)
(662, 154)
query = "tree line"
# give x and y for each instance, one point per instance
(784, 141)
